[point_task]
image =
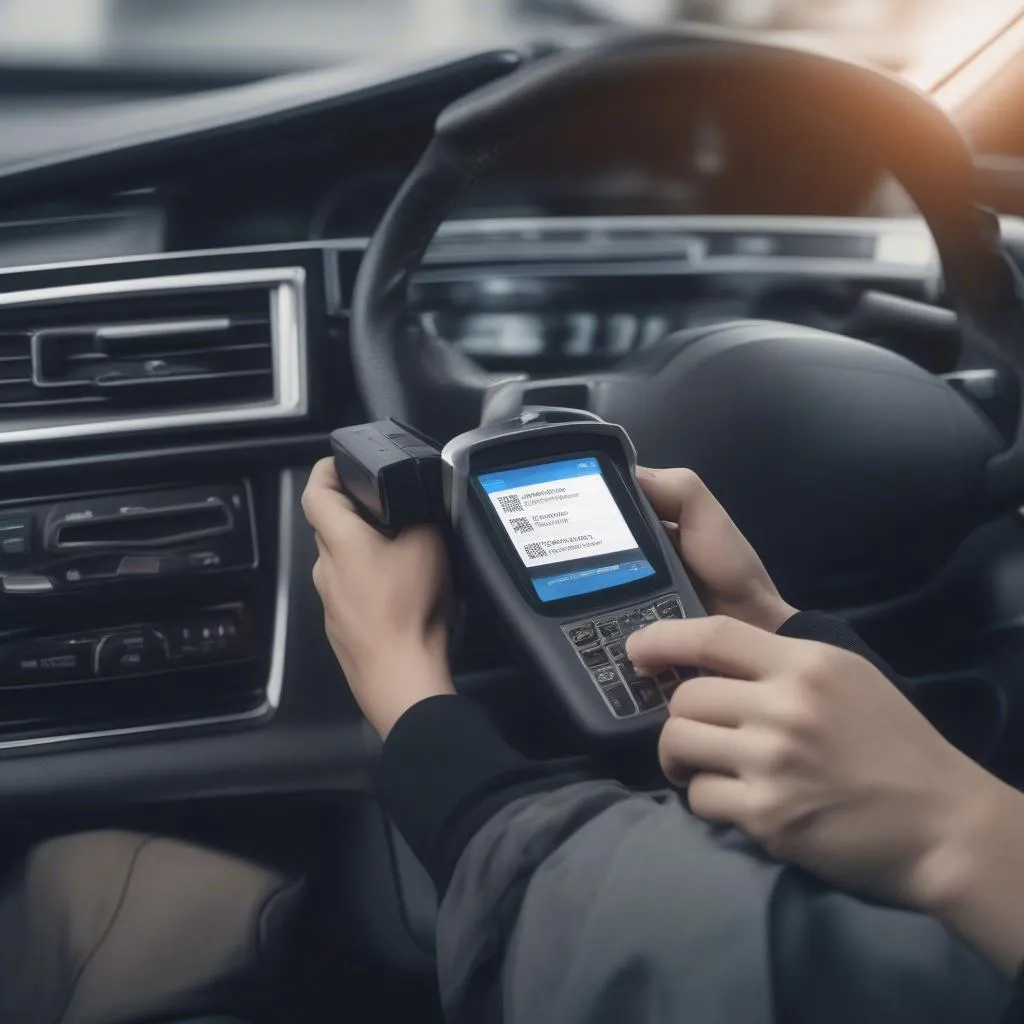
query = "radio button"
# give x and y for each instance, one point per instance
(92, 570)
(26, 584)
(53, 661)
(219, 634)
(131, 653)
(213, 637)
(183, 639)
(204, 560)
(139, 565)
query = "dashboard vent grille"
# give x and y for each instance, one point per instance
(140, 354)
(15, 366)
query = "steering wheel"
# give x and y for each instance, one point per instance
(854, 472)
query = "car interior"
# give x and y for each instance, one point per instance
(797, 275)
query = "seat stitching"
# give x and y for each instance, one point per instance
(91, 955)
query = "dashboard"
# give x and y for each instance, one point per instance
(174, 294)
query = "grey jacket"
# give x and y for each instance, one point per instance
(593, 905)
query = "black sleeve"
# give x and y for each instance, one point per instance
(1015, 1010)
(446, 770)
(827, 629)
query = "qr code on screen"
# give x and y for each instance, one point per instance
(510, 503)
(534, 550)
(520, 525)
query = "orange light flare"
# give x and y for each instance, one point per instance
(943, 33)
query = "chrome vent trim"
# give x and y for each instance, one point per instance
(286, 290)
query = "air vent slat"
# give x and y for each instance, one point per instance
(166, 381)
(256, 346)
(50, 404)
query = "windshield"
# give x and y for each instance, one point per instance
(922, 39)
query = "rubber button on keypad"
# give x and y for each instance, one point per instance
(669, 609)
(669, 682)
(605, 676)
(594, 657)
(647, 694)
(620, 701)
(616, 651)
(628, 670)
(583, 635)
(609, 630)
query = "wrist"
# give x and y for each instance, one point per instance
(768, 612)
(958, 842)
(777, 613)
(413, 661)
(758, 607)
(397, 679)
(972, 882)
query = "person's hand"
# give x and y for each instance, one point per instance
(383, 603)
(725, 569)
(813, 753)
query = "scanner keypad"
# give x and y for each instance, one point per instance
(600, 643)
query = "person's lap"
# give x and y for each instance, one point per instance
(684, 921)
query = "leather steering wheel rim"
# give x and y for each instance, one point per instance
(403, 372)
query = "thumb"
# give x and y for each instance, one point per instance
(709, 543)
(676, 495)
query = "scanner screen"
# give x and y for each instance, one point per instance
(566, 527)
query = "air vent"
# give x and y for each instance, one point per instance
(152, 353)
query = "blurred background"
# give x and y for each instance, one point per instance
(202, 43)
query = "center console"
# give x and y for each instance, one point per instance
(133, 609)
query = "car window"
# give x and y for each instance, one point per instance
(919, 38)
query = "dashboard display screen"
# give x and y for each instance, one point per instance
(566, 527)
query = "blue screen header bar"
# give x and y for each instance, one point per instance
(543, 473)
